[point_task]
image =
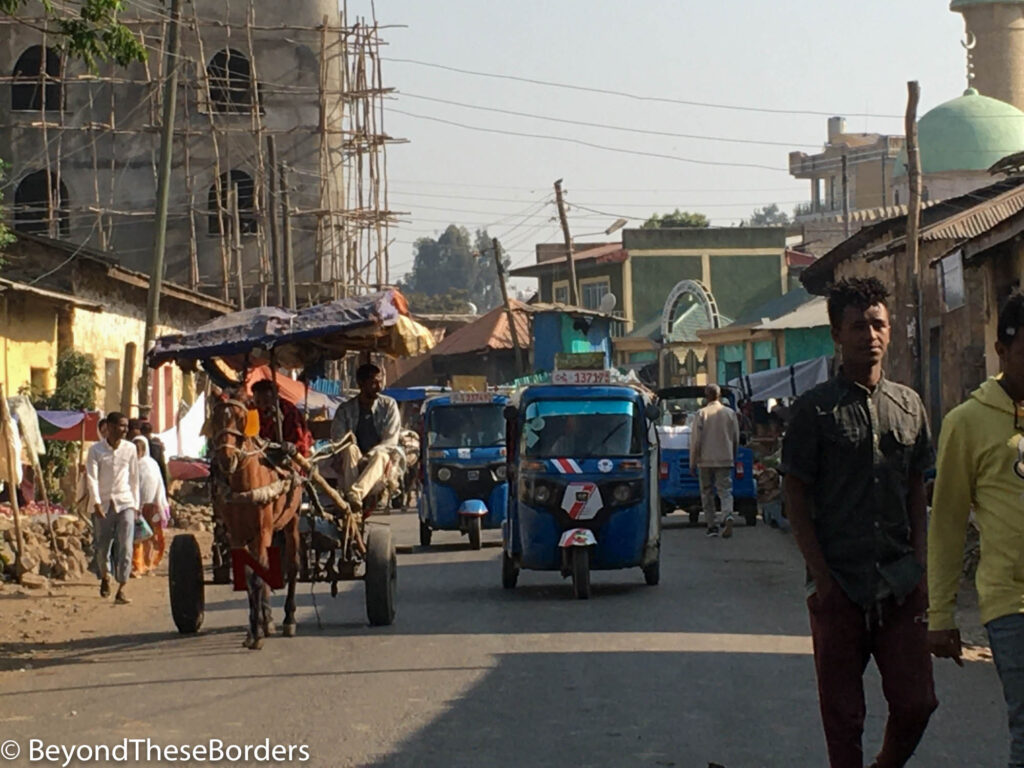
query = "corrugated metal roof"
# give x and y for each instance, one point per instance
(966, 224)
(490, 332)
(813, 314)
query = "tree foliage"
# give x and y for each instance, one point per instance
(75, 391)
(6, 237)
(453, 270)
(768, 216)
(677, 219)
(93, 34)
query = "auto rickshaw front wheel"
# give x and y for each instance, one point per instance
(580, 567)
(473, 526)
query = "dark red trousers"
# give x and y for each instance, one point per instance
(845, 638)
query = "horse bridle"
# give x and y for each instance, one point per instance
(231, 431)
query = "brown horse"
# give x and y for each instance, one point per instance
(254, 498)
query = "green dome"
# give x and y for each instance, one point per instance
(956, 5)
(969, 133)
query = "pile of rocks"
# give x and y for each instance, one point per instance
(68, 560)
(192, 517)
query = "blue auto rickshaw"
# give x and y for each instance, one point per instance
(679, 488)
(464, 467)
(583, 463)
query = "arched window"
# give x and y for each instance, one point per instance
(31, 209)
(27, 90)
(230, 82)
(246, 203)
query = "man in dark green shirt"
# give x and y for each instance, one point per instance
(854, 459)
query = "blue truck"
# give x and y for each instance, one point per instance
(679, 488)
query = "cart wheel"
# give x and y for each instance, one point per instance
(580, 572)
(425, 534)
(185, 581)
(652, 573)
(509, 571)
(695, 517)
(381, 576)
(474, 532)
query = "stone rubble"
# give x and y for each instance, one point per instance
(69, 560)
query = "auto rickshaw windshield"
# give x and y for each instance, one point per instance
(466, 426)
(581, 428)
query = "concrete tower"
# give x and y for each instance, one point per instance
(82, 149)
(995, 38)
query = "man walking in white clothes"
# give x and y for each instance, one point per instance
(112, 475)
(714, 438)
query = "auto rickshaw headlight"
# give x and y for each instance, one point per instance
(541, 494)
(622, 493)
(444, 474)
(501, 472)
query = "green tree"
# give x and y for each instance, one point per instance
(75, 391)
(457, 267)
(92, 34)
(677, 219)
(768, 216)
(5, 234)
(453, 302)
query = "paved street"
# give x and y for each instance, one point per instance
(713, 665)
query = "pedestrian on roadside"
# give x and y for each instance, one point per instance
(156, 449)
(112, 474)
(714, 440)
(981, 466)
(154, 509)
(854, 459)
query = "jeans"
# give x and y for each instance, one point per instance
(114, 535)
(1006, 636)
(715, 479)
(845, 638)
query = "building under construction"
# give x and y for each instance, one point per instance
(279, 147)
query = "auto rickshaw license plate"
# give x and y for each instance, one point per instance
(473, 474)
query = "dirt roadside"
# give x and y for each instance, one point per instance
(38, 622)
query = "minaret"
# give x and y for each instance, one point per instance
(995, 43)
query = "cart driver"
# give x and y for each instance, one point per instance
(371, 423)
(293, 423)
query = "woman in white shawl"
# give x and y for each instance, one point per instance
(155, 509)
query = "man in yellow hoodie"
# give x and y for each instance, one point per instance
(981, 466)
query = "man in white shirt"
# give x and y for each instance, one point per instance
(714, 440)
(366, 466)
(112, 476)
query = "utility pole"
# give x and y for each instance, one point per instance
(913, 268)
(574, 290)
(846, 197)
(520, 365)
(289, 260)
(156, 277)
(236, 242)
(275, 240)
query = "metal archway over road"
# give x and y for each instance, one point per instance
(687, 292)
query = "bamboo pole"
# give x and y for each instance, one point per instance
(12, 477)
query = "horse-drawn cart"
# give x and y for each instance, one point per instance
(259, 486)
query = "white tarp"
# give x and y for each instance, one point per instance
(787, 381)
(190, 427)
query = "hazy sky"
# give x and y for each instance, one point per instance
(797, 55)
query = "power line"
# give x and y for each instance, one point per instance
(590, 124)
(580, 142)
(635, 96)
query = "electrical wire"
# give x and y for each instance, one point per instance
(635, 96)
(592, 145)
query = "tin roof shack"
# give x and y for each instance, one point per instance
(103, 315)
(972, 246)
(786, 330)
(558, 329)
